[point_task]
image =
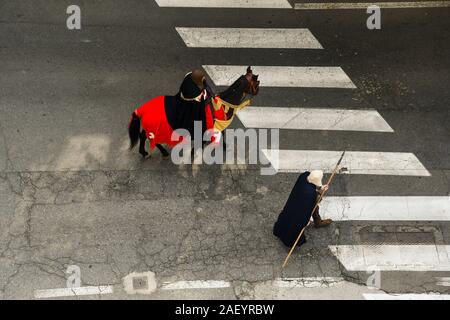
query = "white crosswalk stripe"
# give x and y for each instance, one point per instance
(255, 4)
(365, 5)
(275, 76)
(313, 119)
(443, 281)
(394, 208)
(248, 38)
(356, 162)
(407, 296)
(72, 292)
(196, 284)
(307, 282)
(387, 257)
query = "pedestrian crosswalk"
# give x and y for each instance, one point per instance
(186, 285)
(390, 208)
(253, 4)
(365, 5)
(313, 119)
(387, 257)
(408, 296)
(248, 38)
(276, 76)
(354, 162)
(383, 256)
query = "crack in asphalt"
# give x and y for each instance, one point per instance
(237, 251)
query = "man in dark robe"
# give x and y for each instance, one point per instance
(297, 210)
(190, 104)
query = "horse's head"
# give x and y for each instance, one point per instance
(253, 87)
(246, 84)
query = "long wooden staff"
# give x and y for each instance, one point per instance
(314, 209)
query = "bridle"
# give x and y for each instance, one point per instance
(253, 84)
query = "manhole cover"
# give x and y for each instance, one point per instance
(140, 283)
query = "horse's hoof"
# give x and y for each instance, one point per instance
(166, 157)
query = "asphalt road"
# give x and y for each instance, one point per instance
(71, 193)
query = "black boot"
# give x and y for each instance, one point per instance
(318, 222)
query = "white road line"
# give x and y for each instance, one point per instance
(272, 76)
(307, 282)
(72, 292)
(198, 284)
(365, 5)
(387, 208)
(393, 257)
(356, 162)
(408, 296)
(254, 4)
(248, 38)
(443, 281)
(313, 119)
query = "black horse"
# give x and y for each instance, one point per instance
(157, 119)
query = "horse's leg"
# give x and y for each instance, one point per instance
(163, 151)
(142, 139)
(223, 140)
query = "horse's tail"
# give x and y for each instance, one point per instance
(134, 128)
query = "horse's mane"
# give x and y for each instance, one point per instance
(234, 93)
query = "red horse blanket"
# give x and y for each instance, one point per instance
(156, 125)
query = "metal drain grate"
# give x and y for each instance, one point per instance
(140, 283)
